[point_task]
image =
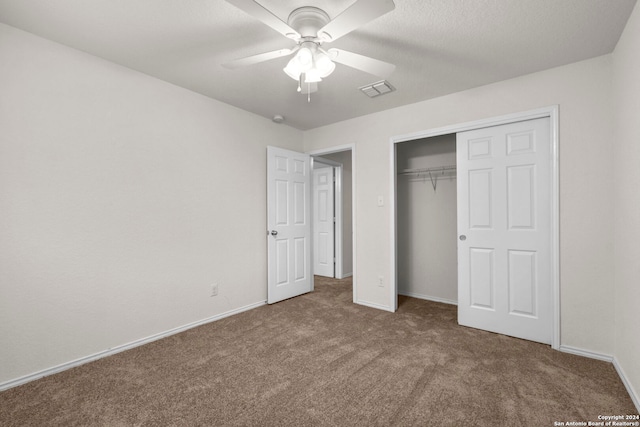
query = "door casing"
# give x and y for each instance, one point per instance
(550, 112)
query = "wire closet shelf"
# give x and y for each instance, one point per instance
(433, 173)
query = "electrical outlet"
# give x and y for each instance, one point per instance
(380, 281)
(214, 289)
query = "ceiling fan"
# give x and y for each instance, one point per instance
(311, 27)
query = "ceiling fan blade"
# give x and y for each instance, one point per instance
(356, 15)
(308, 88)
(259, 12)
(361, 62)
(255, 59)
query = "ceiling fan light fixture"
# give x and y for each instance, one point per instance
(293, 70)
(312, 76)
(300, 63)
(324, 64)
(304, 57)
(311, 63)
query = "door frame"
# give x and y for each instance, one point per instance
(336, 149)
(337, 209)
(552, 113)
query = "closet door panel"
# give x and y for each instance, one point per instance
(521, 197)
(479, 199)
(504, 210)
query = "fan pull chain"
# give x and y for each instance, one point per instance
(309, 92)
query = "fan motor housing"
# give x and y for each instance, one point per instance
(308, 20)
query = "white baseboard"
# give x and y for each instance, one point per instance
(374, 305)
(81, 361)
(635, 397)
(345, 275)
(612, 359)
(428, 298)
(585, 353)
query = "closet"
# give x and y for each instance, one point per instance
(476, 223)
(427, 219)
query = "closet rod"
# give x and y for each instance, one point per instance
(433, 170)
(433, 173)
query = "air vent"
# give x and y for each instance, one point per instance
(377, 88)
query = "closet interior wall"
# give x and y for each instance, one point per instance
(427, 221)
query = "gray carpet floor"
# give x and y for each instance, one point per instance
(320, 360)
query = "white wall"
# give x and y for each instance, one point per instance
(626, 69)
(114, 221)
(583, 93)
(122, 199)
(427, 221)
(344, 157)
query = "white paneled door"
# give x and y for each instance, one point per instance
(323, 222)
(288, 222)
(504, 229)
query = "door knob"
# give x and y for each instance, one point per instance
(463, 237)
(274, 233)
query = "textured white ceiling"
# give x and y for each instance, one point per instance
(438, 46)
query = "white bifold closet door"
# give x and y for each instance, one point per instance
(504, 229)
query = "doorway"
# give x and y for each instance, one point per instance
(342, 160)
(326, 229)
(427, 210)
(289, 220)
(482, 274)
